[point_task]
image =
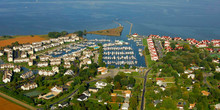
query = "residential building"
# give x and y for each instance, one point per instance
(205, 93)
(55, 69)
(57, 89)
(94, 90)
(27, 75)
(42, 64)
(21, 60)
(100, 84)
(102, 70)
(29, 86)
(69, 72)
(7, 76)
(46, 73)
(125, 106)
(82, 97)
(17, 69)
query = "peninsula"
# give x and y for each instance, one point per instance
(108, 32)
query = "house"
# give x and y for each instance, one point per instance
(86, 93)
(29, 86)
(216, 44)
(33, 57)
(64, 104)
(125, 106)
(31, 52)
(209, 49)
(69, 83)
(217, 106)
(94, 90)
(127, 93)
(17, 69)
(23, 54)
(44, 58)
(67, 66)
(201, 45)
(69, 72)
(1, 53)
(130, 86)
(27, 75)
(82, 97)
(10, 59)
(205, 93)
(54, 59)
(7, 76)
(6, 66)
(55, 69)
(42, 64)
(102, 70)
(157, 102)
(30, 63)
(188, 71)
(21, 60)
(215, 61)
(55, 63)
(194, 68)
(191, 106)
(37, 49)
(135, 35)
(7, 49)
(177, 38)
(217, 69)
(87, 61)
(100, 84)
(46, 73)
(192, 76)
(56, 89)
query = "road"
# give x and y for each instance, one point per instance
(17, 101)
(205, 75)
(159, 48)
(145, 80)
(65, 97)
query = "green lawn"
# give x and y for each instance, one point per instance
(144, 42)
(33, 93)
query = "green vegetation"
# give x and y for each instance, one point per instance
(57, 34)
(109, 32)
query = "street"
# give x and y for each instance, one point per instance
(145, 80)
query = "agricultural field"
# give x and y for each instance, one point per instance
(7, 105)
(22, 39)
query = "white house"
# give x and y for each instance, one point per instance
(1, 53)
(30, 63)
(46, 73)
(192, 76)
(29, 86)
(82, 98)
(42, 64)
(23, 54)
(69, 72)
(27, 75)
(7, 76)
(56, 89)
(125, 106)
(87, 93)
(102, 70)
(100, 84)
(17, 69)
(55, 69)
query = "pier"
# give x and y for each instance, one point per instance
(130, 27)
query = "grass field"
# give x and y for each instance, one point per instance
(8, 105)
(145, 42)
(108, 32)
(23, 39)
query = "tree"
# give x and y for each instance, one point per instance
(199, 76)
(117, 85)
(186, 47)
(126, 66)
(173, 45)
(109, 79)
(79, 33)
(168, 103)
(133, 102)
(64, 33)
(54, 34)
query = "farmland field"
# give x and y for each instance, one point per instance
(7, 105)
(21, 40)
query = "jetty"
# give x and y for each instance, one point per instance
(130, 27)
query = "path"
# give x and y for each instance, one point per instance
(145, 80)
(17, 101)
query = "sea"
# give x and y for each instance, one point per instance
(199, 19)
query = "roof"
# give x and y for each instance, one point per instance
(205, 93)
(160, 79)
(127, 92)
(113, 94)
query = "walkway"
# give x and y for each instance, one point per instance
(17, 101)
(130, 27)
